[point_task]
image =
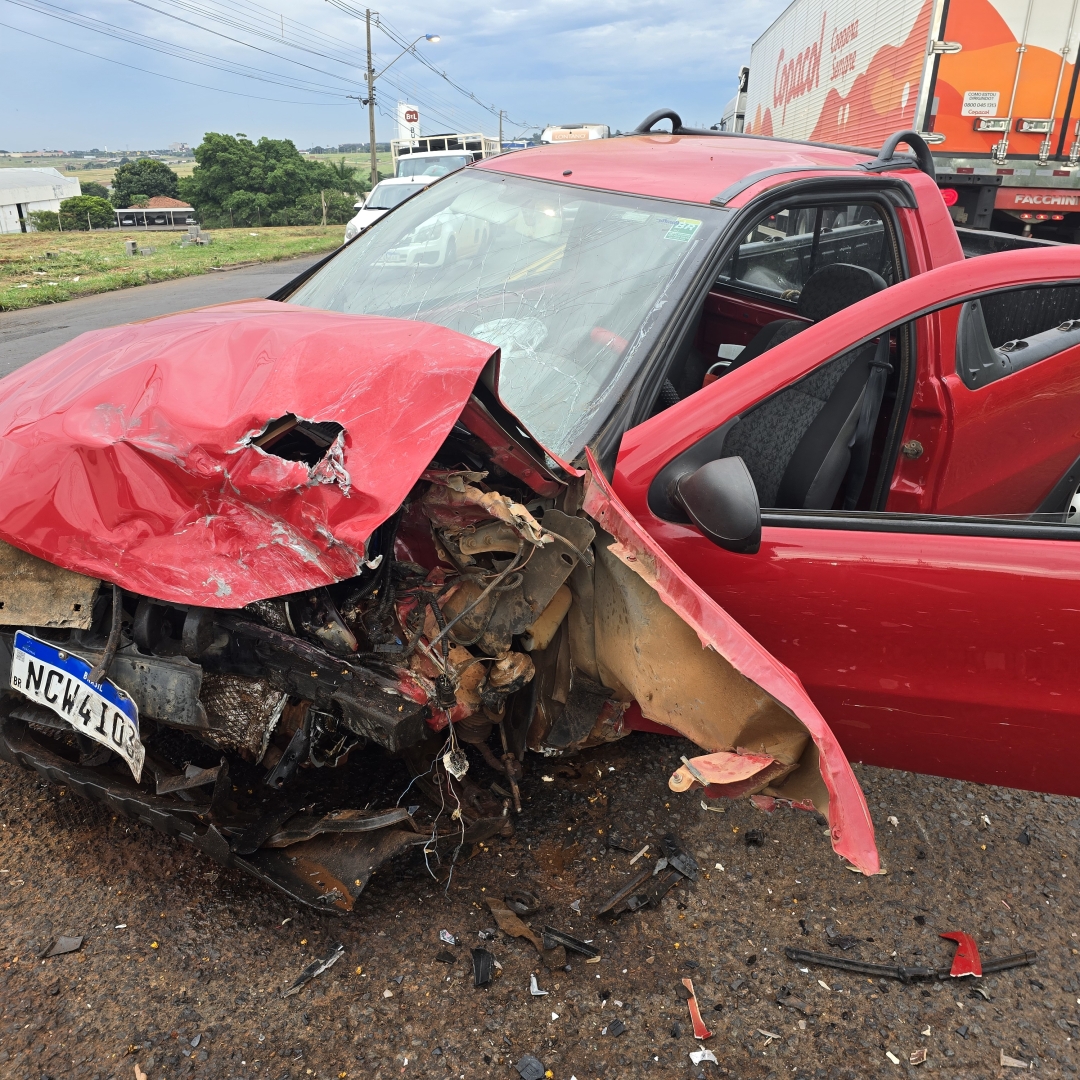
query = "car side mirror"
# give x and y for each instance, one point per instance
(721, 500)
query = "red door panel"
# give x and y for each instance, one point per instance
(952, 655)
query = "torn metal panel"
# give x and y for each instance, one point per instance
(126, 454)
(691, 667)
(34, 592)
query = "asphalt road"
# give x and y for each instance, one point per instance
(26, 335)
(183, 964)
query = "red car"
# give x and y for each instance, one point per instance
(555, 450)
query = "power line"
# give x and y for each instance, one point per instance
(179, 52)
(402, 42)
(171, 78)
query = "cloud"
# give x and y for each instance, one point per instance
(547, 61)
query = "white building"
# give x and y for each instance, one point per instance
(23, 190)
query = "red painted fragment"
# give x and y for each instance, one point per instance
(700, 1030)
(967, 960)
(125, 454)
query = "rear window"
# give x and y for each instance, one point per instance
(783, 249)
(387, 196)
(432, 166)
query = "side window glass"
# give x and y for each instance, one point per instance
(1006, 332)
(781, 252)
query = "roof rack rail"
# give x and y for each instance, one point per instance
(884, 160)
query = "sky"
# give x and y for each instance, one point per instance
(285, 69)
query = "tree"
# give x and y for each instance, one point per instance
(92, 187)
(345, 176)
(45, 220)
(144, 177)
(84, 211)
(310, 209)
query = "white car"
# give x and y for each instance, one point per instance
(386, 195)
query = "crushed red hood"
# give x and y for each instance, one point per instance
(129, 454)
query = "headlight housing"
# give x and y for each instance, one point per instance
(351, 230)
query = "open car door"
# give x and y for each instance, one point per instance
(640, 630)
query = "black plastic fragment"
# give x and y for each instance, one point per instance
(754, 837)
(63, 945)
(901, 973)
(680, 858)
(616, 1027)
(522, 902)
(553, 938)
(483, 967)
(295, 755)
(1024, 838)
(529, 1068)
(445, 956)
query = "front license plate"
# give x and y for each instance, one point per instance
(60, 681)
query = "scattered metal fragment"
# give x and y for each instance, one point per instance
(445, 956)
(616, 1027)
(554, 938)
(316, 967)
(534, 988)
(1007, 1062)
(576, 907)
(529, 1068)
(639, 854)
(715, 810)
(447, 938)
(483, 965)
(898, 971)
(486, 935)
(698, 1056)
(966, 960)
(63, 945)
(917, 1057)
(770, 1036)
(700, 1030)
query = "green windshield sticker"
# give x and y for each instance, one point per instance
(683, 229)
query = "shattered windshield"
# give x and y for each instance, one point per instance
(568, 282)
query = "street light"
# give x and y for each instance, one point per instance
(369, 101)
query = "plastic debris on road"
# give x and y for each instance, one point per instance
(530, 1068)
(700, 1030)
(447, 938)
(1007, 1062)
(698, 1056)
(63, 945)
(534, 988)
(892, 1057)
(316, 967)
(917, 1057)
(483, 964)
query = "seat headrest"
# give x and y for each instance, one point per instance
(835, 287)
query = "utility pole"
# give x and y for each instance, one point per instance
(371, 105)
(501, 111)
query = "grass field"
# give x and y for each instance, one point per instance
(46, 268)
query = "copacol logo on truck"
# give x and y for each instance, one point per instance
(799, 75)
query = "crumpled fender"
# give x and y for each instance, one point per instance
(841, 798)
(124, 454)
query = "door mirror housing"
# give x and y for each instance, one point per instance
(721, 500)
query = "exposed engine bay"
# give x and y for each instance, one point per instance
(249, 550)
